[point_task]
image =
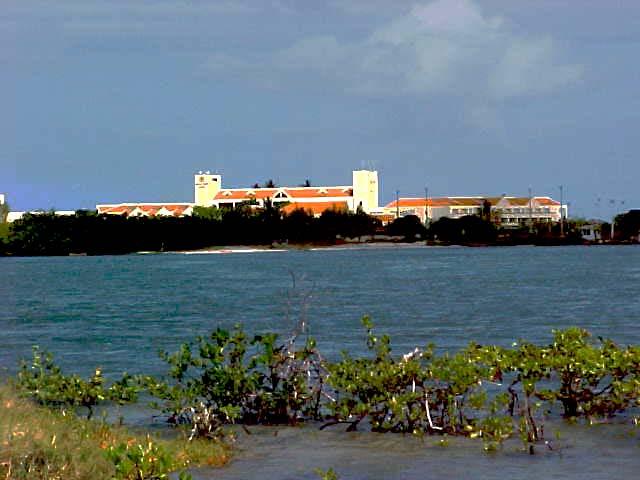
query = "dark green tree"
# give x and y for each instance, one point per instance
(410, 227)
(627, 226)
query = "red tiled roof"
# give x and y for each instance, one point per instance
(120, 210)
(468, 201)
(176, 210)
(295, 192)
(546, 201)
(245, 194)
(315, 192)
(150, 210)
(315, 208)
(421, 202)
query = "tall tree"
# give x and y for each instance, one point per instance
(4, 211)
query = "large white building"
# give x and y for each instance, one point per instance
(507, 211)
(209, 192)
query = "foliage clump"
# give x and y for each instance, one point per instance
(489, 392)
(229, 377)
(482, 391)
(44, 381)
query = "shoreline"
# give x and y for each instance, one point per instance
(346, 246)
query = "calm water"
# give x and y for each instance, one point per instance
(117, 312)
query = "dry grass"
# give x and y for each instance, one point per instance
(38, 443)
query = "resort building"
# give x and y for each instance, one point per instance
(209, 192)
(147, 209)
(362, 193)
(507, 211)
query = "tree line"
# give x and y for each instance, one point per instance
(87, 232)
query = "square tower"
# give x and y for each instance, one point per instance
(206, 187)
(365, 190)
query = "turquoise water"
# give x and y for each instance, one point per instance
(117, 312)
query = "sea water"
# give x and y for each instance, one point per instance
(117, 312)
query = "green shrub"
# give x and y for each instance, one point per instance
(227, 377)
(44, 381)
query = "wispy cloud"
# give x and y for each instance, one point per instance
(442, 47)
(84, 8)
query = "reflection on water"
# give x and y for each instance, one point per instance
(598, 452)
(117, 312)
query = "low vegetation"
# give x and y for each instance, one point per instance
(43, 443)
(229, 377)
(488, 392)
(44, 381)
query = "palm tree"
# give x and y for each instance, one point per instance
(4, 211)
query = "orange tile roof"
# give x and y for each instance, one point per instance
(151, 210)
(420, 202)
(314, 192)
(176, 210)
(245, 193)
(468, 201)
(315, 208)
(295, 192)
(121, 210)
(546, 201)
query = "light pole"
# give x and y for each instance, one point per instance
(530, 212)
(397, 204)
(426, 205)
(561, 212)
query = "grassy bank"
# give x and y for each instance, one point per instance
(38, 443)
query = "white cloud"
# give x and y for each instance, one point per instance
(527, 67)
(93, 8)
(442, 47)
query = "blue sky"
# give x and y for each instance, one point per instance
(110, 101)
